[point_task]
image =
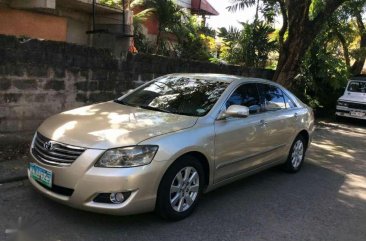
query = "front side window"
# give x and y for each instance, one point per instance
(272, 97)
(357, 86)
(177, 95)
(246, 95)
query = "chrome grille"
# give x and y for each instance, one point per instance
(54, 153)
(356, 106)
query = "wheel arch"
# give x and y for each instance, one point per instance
(204, 161)
(306, 136)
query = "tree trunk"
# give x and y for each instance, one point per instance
(158, 39)
(357, 67)
(301, 33)
(284, 22)
(294, 48)
(292, 53)
(343, 41)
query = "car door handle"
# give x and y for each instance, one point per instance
(262, 123)
(296, 116)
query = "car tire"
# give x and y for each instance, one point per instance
(180, 189)
(296, 156)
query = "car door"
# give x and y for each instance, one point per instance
(239, 142)
(280, 117)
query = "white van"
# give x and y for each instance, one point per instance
(353, 102)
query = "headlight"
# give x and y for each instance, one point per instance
(342, 103)
(127, 156)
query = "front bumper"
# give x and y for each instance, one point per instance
(350, 113)
(87, 181)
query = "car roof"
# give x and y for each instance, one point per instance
(221, 77)
(359, 78)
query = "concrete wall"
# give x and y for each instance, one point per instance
(41, 78)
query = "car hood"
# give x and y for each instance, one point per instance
(354, 97)
(110, 125)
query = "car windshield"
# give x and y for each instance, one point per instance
(177, 95)
(357, 86)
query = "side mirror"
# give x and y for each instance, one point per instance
(238, 111)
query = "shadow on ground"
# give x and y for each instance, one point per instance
(325, 201)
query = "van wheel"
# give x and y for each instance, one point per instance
(296, 156)
(180, 189)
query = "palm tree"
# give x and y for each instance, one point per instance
(166, 12)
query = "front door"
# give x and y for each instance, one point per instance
(240, 142)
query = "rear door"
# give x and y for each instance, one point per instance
(281, 120)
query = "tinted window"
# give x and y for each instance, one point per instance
(272, 97)
(246, 95)
(178, 95)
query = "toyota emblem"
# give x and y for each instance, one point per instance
(48, 146)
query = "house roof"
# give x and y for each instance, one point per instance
(203, 7)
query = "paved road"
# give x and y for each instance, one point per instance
(325, 201)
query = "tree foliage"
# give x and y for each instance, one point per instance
(323, 73)
(303, 20)
(111, 3)
(249, 46)
(190, 38)
(192, 43)
(168, 16)
(332, 58)
(321, 44)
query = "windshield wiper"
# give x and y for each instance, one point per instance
(123, 102)
(154, 108)
(119, 101)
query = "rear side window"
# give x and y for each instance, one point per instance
(272, 97)
(289, 103)
(246, 95)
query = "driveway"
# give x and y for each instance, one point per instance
(325, 201)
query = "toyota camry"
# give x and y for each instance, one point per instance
(166, 143)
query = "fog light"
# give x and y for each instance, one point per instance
(114, 198)
(117, 197)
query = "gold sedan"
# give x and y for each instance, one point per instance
(162, 145)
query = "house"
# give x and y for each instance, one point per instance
(84, 22)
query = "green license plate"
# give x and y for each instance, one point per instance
(41, 174)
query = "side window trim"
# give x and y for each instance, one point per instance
(284, 99)
(290, 99)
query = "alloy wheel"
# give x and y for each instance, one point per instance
(184, 189)
(297, 154)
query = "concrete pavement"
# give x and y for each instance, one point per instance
(325, 201)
